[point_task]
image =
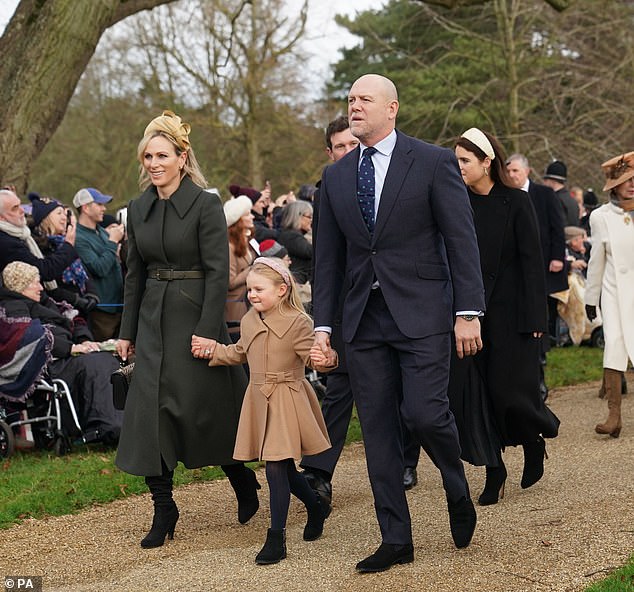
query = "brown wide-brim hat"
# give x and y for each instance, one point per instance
(617, 170)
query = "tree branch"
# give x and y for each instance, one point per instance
(558, 5)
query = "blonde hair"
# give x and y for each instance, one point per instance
(291, 299)
(190, 168)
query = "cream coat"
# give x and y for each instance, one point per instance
(610, 282)
(280, 416)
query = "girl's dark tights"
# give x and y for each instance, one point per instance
(284, 479)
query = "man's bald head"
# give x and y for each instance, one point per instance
(372, 108)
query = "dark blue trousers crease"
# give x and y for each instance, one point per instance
(395, 378)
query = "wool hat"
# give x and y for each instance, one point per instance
(617, 170)
(252, 194)
(88, 195)
(571, 232)
(235, 208)
(271, 248)
(557, 171)
(42, 207)
(17, 275)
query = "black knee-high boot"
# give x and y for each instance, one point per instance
(246, 487)
(165, 510)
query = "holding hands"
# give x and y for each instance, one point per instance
(321, 353)
(202, 347)
(321, 360)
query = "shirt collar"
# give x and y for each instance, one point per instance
(385, 146)
(526, 185)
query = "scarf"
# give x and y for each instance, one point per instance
(627, 205)
(24, 234)
(25, 350)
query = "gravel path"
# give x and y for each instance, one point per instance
(572, 528)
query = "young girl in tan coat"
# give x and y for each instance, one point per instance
(280, 419)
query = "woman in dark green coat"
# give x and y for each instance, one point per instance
(178, 408)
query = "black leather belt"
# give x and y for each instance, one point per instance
(167, 275)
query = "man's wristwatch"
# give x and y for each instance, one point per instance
(467, 317)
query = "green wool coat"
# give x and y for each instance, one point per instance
(177, 407)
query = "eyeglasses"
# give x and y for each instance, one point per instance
(309, 216)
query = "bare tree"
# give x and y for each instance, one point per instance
(45, 49)
(246, 62)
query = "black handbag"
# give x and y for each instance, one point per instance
(120, 381)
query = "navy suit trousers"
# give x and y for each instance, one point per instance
(397, 379)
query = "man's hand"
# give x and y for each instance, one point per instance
(468, 340)
(555, 266)
(322, 341)
(116, 232)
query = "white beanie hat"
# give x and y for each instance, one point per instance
(236, 208)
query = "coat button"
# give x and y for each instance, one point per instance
(623, 270)
(373, 251)
(491, 276)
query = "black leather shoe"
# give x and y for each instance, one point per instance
(462, 521)
(410, 478)
(321, 486)
(385, 557)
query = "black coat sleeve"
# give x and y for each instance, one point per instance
(50, 268)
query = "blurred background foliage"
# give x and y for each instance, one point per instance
(553, 85)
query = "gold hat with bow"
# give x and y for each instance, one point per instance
(172, 125)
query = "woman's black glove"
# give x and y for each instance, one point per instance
(86, 303)
(591, 312)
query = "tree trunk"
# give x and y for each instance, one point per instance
(45, 49)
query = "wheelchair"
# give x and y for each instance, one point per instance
(49, 414)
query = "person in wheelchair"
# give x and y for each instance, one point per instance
(77, 358)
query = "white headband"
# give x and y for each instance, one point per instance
(475, 136)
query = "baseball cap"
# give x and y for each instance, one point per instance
(88, 195)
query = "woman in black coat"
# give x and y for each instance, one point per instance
(88, 376)
(178, 408)
(495, 394)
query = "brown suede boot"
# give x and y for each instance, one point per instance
(601, 394)
(612, 426)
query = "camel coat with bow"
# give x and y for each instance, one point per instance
(280, 416)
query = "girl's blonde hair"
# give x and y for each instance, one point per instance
(190, 168)
(291, 298)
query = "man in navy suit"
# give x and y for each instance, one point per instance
(402, 241)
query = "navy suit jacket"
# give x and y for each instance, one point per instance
(423, 252)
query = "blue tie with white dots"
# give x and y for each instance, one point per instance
(365, 188)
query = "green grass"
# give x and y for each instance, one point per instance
(621, 580)
(573, 365)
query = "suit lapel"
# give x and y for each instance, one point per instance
(349, 167)
(400, 163)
